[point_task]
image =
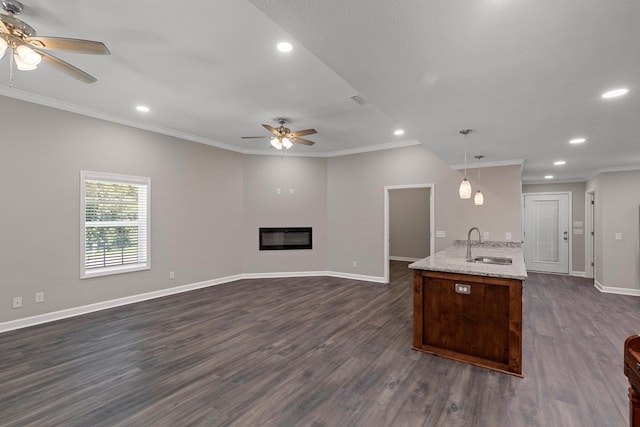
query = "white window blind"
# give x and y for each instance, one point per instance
(547, 243)
(115, 223)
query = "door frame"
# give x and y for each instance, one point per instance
(387, 188)
(590, 239)
(569, 222)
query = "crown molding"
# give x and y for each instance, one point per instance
(72, 108)
(513, 162)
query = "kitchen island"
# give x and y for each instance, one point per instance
(471, 311)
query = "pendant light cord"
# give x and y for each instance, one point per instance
(465, 132)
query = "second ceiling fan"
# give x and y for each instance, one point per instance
(284, 137)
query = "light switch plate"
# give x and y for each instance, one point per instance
(441, 233)
(618, 236)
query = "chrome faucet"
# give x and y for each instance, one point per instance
(469, 240)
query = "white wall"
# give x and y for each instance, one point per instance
(196, 207)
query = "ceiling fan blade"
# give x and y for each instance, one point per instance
(301, 141)
(73, 45)
(271, 129)
(3, 28)
(65, 67)
(252, 137)
(303, 132)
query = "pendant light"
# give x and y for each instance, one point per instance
(465, 186)
(478, 199)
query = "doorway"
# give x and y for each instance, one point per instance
(408, 223)
(547, 237)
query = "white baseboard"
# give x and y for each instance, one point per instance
(337, 274)
(90, 308)
(614, 290)
(283, 274)
(360, 277)
(579, 274)
(403, 258)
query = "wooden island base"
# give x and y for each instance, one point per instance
(482, 327)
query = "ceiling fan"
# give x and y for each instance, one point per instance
(284, 137)
(29, 49)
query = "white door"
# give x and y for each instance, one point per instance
(546, 232)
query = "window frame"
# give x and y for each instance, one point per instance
(114, 179)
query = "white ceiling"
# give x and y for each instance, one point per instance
(524, 75)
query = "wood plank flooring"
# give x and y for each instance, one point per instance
(314, 352)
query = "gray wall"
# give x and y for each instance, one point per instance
(617, 211)
(577, 190)
(356, 203)
(206, 206)
(409, 222)
(306, 207)
(196, 207)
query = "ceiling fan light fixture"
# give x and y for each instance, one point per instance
(287, 143)
(21, 65)
(3, 47)
(276, 143)
(28, 56)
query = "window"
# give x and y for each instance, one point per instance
(114, 216)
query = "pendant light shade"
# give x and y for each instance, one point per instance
(478, 199)
(465, 189)
(465, 186)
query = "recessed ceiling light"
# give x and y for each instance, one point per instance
(559, 163)
(548, 177)
(615, 93)
(142, 108)
(285, 47)
(577, 141)
(398, 132)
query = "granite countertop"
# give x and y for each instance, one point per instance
(453, 260)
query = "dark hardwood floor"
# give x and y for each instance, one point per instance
(314, 352)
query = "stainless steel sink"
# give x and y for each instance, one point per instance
(491, 260)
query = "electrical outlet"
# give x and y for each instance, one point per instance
(462, 288)
(355, 264)
(172, 275)
(292, 191)
(508, 235)
(278, 191)
(17, 302)
(618, 236)
(39, 297)
(486, 235)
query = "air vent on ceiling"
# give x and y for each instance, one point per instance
(359, 99)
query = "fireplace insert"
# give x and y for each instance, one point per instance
(285, 238)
